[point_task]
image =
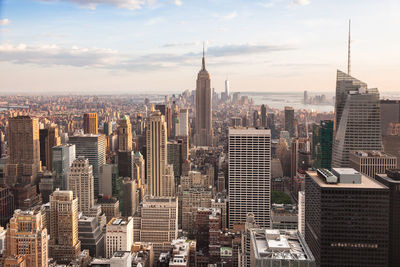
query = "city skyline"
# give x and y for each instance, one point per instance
(69, 47)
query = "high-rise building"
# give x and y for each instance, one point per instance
(130, 197)
(359, 236)
(183, 129)
(263, 116)
(249, 175)
(359, 126)
(90, 123)
(6, 205)
(2, 144)
(64, 245)
(48, 139)
(63, 156)
(289, 121)
(203, 123)
(124, 134)
(301, 213)
(279, 248)
(91, 236)
(158, 222)
(322, 140)
(156, 138)
(119, 235)
(390, 114)
(93, 148)
(391, 179)
(371, 162)
(80, 182)
(27, 237)
(24, 151)
(174, 157)
(125, 163)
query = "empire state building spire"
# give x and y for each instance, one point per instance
(203, 60)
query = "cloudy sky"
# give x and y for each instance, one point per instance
(135, 46)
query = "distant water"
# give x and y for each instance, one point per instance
(295, 100)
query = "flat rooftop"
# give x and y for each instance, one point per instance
(366, 182)
(371, 153)
(249, 131)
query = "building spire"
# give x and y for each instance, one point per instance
(348, 51)
(203, 60)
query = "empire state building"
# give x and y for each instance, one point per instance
(203, 127)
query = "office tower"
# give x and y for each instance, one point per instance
(6, 205)
(156, 152)
(91, 236)
(359, 126)
(305, 98)
(279, 248)
(64, 245)
(90, 123)
(168, 182)
(2, 144)
(63, 156)
(80, 182)
(119, 235)
(371, 162)
(125, 163)
(390, 114)
(46, 185)
(220, 202)
(359, 236)
(227, 89)
(391, 144)
(158, 222)
(93, 148)
(263, 116)
(174, 157)
(391, 179)
(289, 121)
(249, 175)
(221, 182)
(110, 207)
(124, 134)
(203, 127)
(204, 218)
(27, 237)
(48, 139)
(344, 85)
(108, 174)
(256, 119)
(301, 213)
(129, 197)
(24, 151)
(182, 128)
(271, 125)
(322, 140)
(107, 128)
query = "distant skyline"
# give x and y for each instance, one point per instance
(155, 46)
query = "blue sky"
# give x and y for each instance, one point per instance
(134, 46)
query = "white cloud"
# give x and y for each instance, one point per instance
(5, 22)
(92, 4)
(228, 16)
(301, 2)
(178, 2)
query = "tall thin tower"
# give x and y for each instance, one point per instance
(348, 51)
(203, 127)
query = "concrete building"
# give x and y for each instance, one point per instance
(279, 248)
(106, 179)
(110, 207)
(183, 129)
(363, 204)
(6, 205)
(358, 127)
(90, 123)
(203, 124)
(48, 138)
(390, 114)
(301, 213)
(124, 134)
(249, 175)
(289, 121)
(27, 237)
(63, 156)
(3, 246)
(64, 245)
(371, 162)
(119, 235)
(130, 198)
(80, 182)
(93, 148)
(91, 236)
(180, 253)
(391, 179)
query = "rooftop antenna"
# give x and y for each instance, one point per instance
(348, 51)
(203, 61)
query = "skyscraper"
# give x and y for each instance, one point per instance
(64, 245)
(358, 114)
(322, 140)
(6, 205)
(93, 148)
(249, 175)
(156, 138)
(63, 156)
(27, 237)
(24, 150)
(203, 126)
(371, 162)
(183, 129)
(90, 123)
(347, 218)
(263, 116)
(119, 235)
(124, 134)
(48, 139)
(289, 121)
(80, 182)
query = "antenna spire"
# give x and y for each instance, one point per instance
(203, 60)
(348, 51)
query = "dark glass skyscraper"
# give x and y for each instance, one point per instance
(322, 144)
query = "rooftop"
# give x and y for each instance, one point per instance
(249, 131)
(370, 153)
(366, 182)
